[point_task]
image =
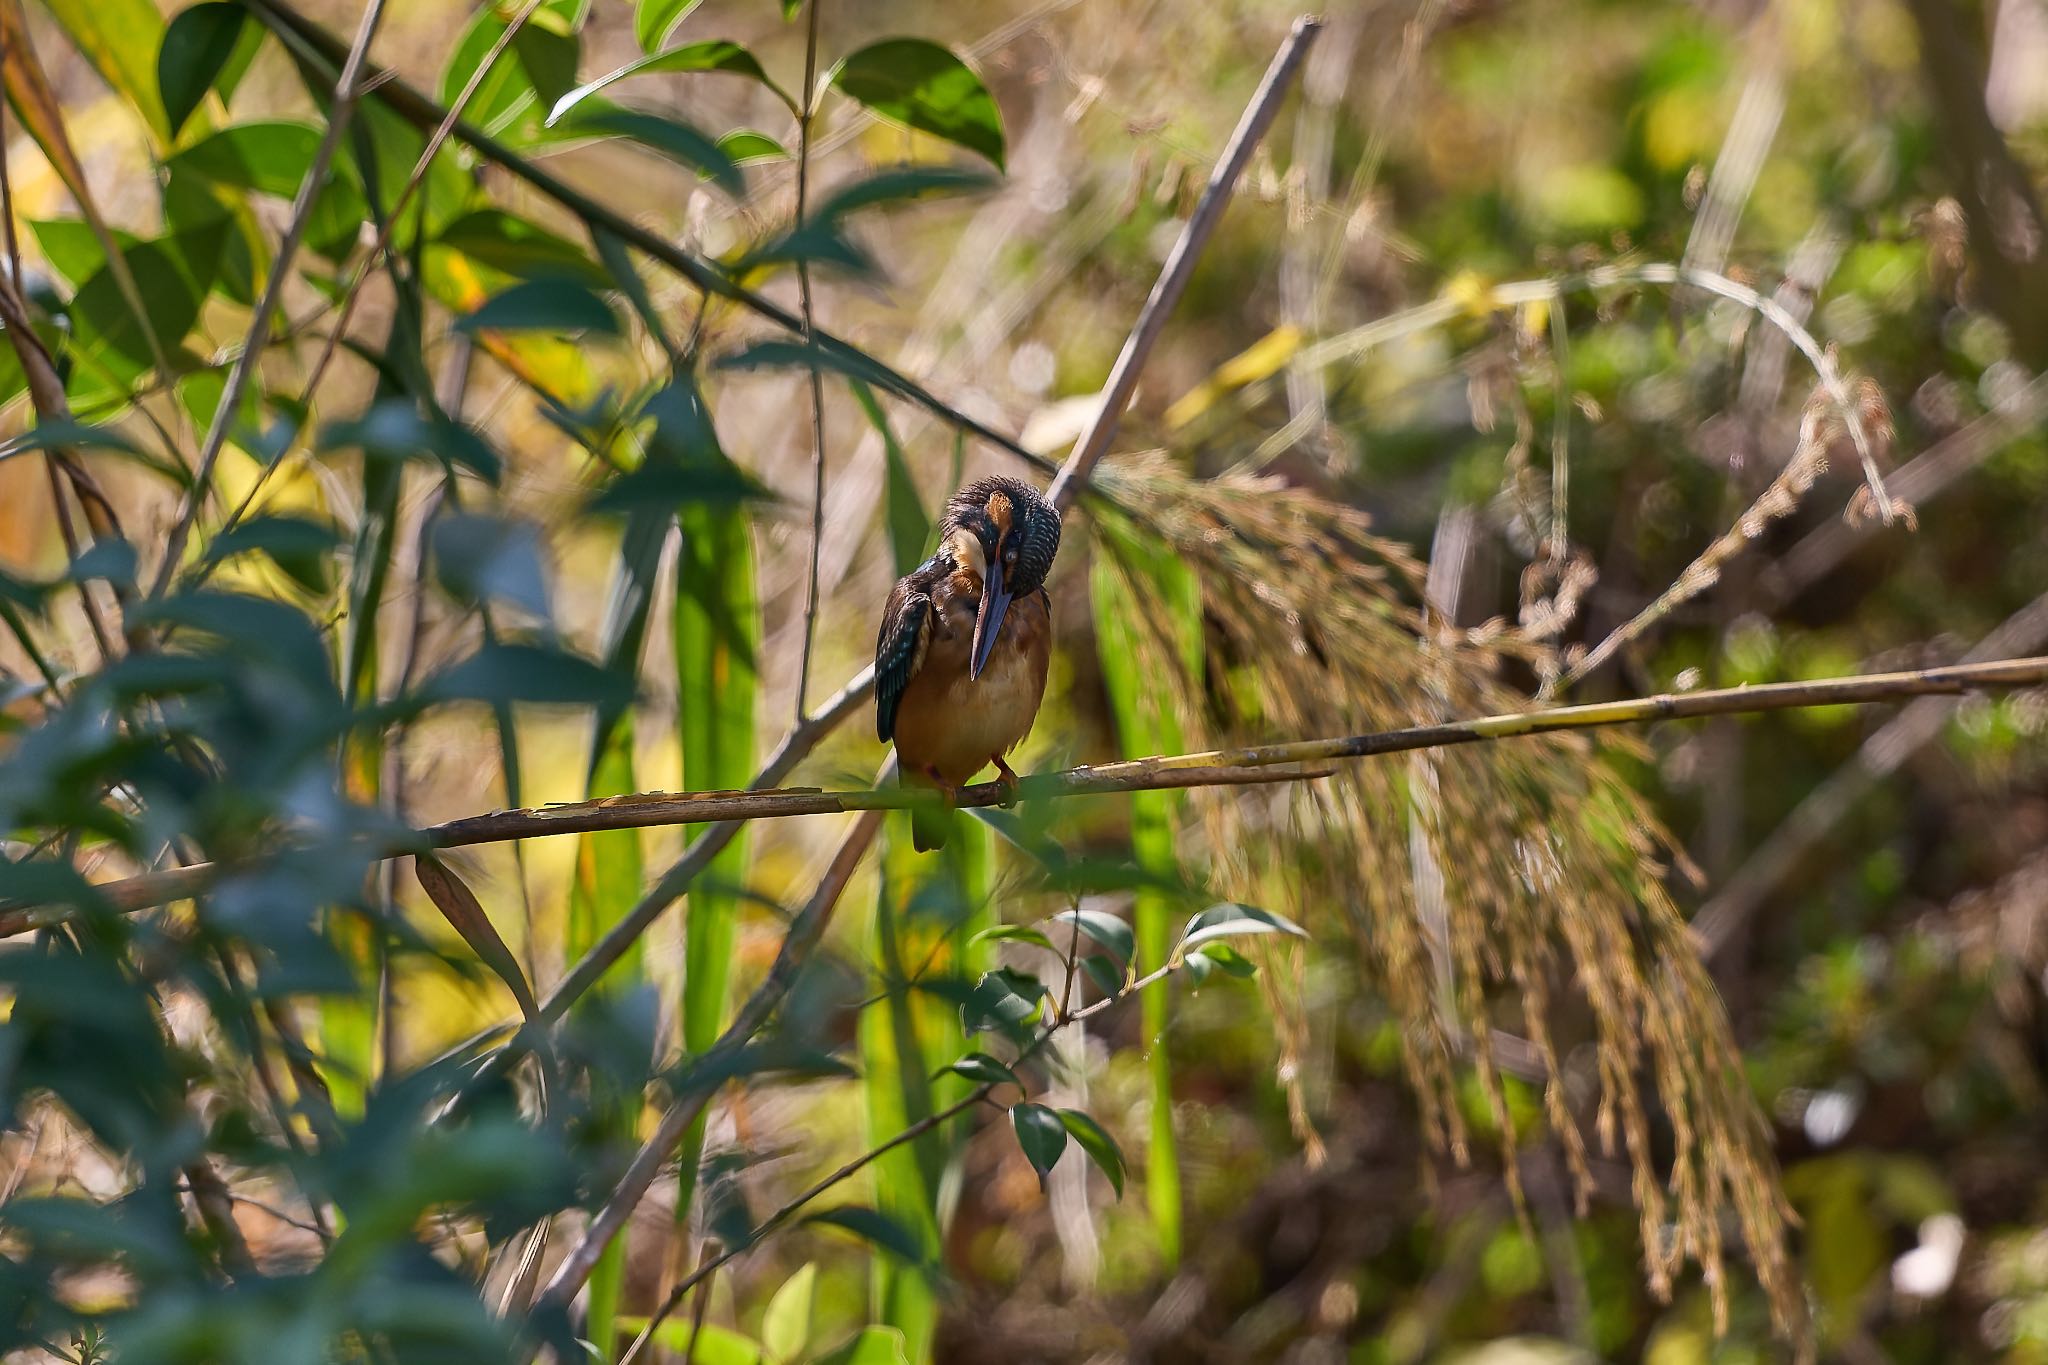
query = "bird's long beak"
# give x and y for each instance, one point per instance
(988, 622)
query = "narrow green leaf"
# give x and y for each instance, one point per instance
(924, 86)
(1015, 933)
(1138, 586)
(1100, 1146)
(465, 914)
(895, 186)
(983, 1069)
(714, 55)
(715, 628)
(673, 138)
(196, 51)
(873, 1226)
(747, 144)
(1106, 929)
(654, 20)
(1041, 1134)
(559, 306)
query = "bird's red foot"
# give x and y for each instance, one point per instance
(946, 789)
(1007, 780)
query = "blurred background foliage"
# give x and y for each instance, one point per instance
(539, 529)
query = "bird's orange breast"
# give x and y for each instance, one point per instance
(953, 725)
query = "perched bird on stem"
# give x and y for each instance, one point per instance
(960, 661)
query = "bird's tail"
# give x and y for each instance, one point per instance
(930, 823)
(929, 826)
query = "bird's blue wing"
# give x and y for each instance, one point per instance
(906, 630)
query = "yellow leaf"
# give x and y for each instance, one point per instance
(1260, 360)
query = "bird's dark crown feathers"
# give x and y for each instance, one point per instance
(1011, 518)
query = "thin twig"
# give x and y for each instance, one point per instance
(347, 89)
(1216, 767)
(1180, 262)
(804, 120)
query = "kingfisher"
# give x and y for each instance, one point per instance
(966, 637)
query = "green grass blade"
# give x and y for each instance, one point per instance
(717, 640)
(1146, 724)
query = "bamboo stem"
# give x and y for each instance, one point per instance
(1213, 768)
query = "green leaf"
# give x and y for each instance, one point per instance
(1015, 933)
(196, 51)
(982, 1069)
(924, 86)
(504, 241)
(654, 20)
(1003, 999)
(272, 157)
(1041, 1134)
(674, 139)
(529, 673)
(786, 1325)
(1223, 958)
(302, 548)
(547, 305)
(714, 55)
(465, 914)
(537, 70)
(89, 436)
(483, 558)
(669, 486)
(1106, 929)
(1104, 972)
(1229, 920)
(873, 1226)
(394, 430)
(1098, 1144)
(747, 144)
(910, 529)
(895, 186)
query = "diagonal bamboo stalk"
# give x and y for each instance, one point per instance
(1180, 262)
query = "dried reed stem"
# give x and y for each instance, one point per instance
(1180, 262)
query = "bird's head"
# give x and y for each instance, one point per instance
(1007, 533)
